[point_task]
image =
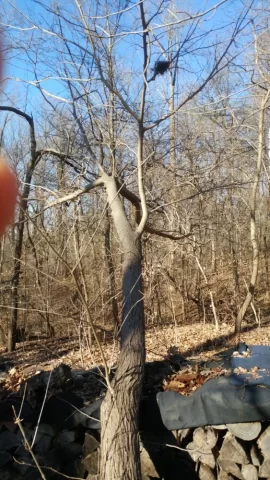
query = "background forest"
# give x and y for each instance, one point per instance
(200, 163)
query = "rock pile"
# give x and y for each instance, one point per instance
(68, 444)
(65, 439)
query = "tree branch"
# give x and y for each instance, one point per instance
(72, 196)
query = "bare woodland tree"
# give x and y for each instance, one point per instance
(34, 158)
(115, 108)
(264, 87)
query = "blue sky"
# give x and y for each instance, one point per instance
(19, 68)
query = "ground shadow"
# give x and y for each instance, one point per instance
(212, 344)
(40, 350)
(169, 461)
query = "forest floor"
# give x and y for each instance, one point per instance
(198, 342)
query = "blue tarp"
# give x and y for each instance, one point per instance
(234, 398)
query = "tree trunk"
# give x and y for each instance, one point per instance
(253, 232)
(17, 262)
(34, 158)
(120, 459)
(110, 265)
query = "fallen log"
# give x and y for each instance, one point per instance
(264, 470)
(181, 435)
(230, 467)
(147, 465)
(204, 456)
(249, 472)
(91, 462)
(255, 455)
(205, 438)
(232, 450)
(206, 473)
(224, 476)
(245, 431)
(264, 443)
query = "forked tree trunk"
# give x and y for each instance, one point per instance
(120, 459)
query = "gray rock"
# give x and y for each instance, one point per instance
(43, 444)
(10, 426)
(70, 450)
(89, 416)
(22, 466)
(9, 440)
(55, 459)
(92, 463)
(29, 433)
(59, 411)
(46, 428)
(77, 377)
(90, 444)
(75, 469)
(33, 475)
(21, 452)
(10, 474)
(4, 458)
(67, 436)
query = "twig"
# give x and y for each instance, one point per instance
(27, 445)
(48, 468)
(188, 449)
(24, 393)
(78, 410)
(41, 410)
(182, 449)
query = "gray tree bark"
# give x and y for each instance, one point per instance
(119, 412)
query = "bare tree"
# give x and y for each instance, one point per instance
(34, 158)
(90, 68)
(263, 84)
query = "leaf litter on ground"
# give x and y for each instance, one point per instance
(189, 380)
(198, 342)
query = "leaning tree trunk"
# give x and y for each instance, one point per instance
(15, 281)
(253, 233)
(120, 459)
